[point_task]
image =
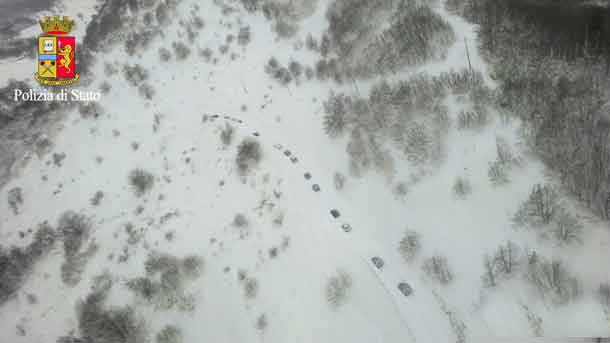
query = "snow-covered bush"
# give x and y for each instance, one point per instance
(16, 263)
(192, 266)
(262, 322)
(98, 324)
(339, 181)
(249, 154)
(74, 266)
(474, 119)
(462, 187)
(502, 264)
(141, 181)
(437, 268)
(338, 288)
(409, 245)
(540, 208)
(240, 221)
(244, 35)
(182, 50)
(227, 134)
(497, 173)
(15, 199)
(250, 287)
(566, 228)
(335, 120)
(135, 74)
(552, 280)
(164, 54)
(97, 198)
(74, 229)
(169, 334)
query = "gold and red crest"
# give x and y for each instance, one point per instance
(56, 53)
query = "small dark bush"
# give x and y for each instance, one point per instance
(244, 35)
(552, 280)
(249, 155)
(114, 325)
(97, 198)
(227, 134)
(169, 334)
(16, 263)
(409, 245)
(182, 50)
(250, 287)
(437, 268)
(338, 288)
(141, 181)
(74, 229)
(164, 54)
(15, 199)
(135, 74)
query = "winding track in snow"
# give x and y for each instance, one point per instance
(388, 276)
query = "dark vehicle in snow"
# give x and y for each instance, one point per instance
(378, 262)
(405, 289)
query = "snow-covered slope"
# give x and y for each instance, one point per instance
(291, 245)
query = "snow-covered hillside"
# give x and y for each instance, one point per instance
(273, 264)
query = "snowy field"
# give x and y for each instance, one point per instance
(267, 246)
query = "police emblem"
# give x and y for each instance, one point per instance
(56, 53)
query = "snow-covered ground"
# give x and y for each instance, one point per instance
(197, 178)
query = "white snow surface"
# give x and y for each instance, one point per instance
(291, 285)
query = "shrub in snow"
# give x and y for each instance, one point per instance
(164, 54)
(227, 134)
(74, 230)
(507, 258)
(244, 35)
(338, 288)
(409, 245)
(98, 324)
(74, 266)
(240, 221)
(182, 50)
(540, 208)
(552, 280)
(16, 263)
(462, 187)
(146, 91)
(535, 321)
(339, 181)
(169, 334)
(278, 72)
(97, 198)
(261, 322)
(192, 266)
(250, 287)
(141, 181)
(417, 143)
(335, 120)
(472, 119)
(566, 228)
(489, 272)
(249, 154)
(437, 268)
(15, 199)
(251, 5)
(134, 74)
(497, 173)
(296, 69)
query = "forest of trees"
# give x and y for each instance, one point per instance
(553, 65)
